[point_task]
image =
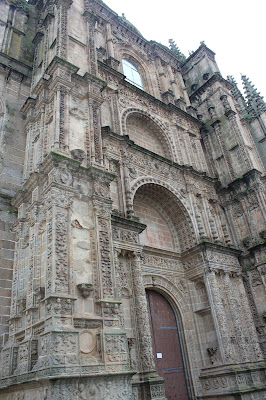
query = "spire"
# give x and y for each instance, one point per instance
(238, 96)
(175, 49)
(235, 91)
(256, 104)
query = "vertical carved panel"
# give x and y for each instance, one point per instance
(105, 260)
(142, 316)
(57, 273)
(61, 259)
(91, 20)
(258, 323)
(49, 254)
(248, 324)
(95, 123)
(62, 31)
(227, 350)
(62, 94)
(236, 325)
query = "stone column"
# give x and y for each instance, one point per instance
(116, 114)
(62, 33)
(114, 340)
(201, 157)
(219, 316)
(109, 40)
(154, 388)
(58, 344)
(259, 325)
(197, 205)
(58, 203)
(128, 203)
(211, 216)
(248, 326)
(173, 82)
(236, 325)
(118, 278)
(60, 139)
(142, 316)
(183, 87)
(102, 216)
(224, 226)
(92, 54)
(163, 79)
(94, 136)
(206, 143)
(189, 150)
(95, 86)
(231, 115)
(217, 128)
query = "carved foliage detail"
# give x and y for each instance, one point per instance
(61, 279)
(106, 267)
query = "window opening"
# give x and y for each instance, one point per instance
(132, 74)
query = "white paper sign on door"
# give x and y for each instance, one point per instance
(159, 355)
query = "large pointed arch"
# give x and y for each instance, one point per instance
(174, 205)
(161, 132)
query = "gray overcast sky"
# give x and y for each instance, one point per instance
(233, 29)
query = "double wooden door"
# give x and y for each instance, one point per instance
(166, 346)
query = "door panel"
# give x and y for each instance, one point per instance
(166, 346)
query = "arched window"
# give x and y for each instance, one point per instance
(132, 74)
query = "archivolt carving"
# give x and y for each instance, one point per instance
(177, 292)
(143, 180)
(167, 141)
(167, 218)
(188, 238)
(134, 58)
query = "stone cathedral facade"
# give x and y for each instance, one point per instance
(132, 214)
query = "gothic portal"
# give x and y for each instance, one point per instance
(132, 215)
(167, 348)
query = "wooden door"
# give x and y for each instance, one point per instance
(166, 346)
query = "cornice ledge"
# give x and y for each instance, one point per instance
(214, 78)
(128, 223)
(15, 65)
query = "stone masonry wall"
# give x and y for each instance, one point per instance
(144, 135)
(7, 218)
(14, 90)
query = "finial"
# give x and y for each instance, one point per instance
(255, 101)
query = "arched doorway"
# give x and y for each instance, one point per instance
(166, 346)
